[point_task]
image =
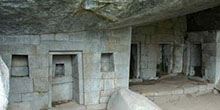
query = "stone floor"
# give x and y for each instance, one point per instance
(69, 106)
(76, 106)
(179, 93)
(173, 85)
(208, 101)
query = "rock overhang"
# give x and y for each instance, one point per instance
(52, 16)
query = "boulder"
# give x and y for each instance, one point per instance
(217, 85)
(125, 99)
(4, 85)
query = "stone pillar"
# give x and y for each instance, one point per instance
(217, 75)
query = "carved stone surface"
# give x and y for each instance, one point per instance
(4, 85)
(125, 99)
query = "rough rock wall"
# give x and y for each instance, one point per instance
(54, 16)
(4, 85)
(204, 20)
(171, 32)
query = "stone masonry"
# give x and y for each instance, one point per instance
(33, 93)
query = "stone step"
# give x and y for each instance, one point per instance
(198, 89)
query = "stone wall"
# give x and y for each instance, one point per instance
(171, 32)
(209, 43)
(33, 92)
(217, 76)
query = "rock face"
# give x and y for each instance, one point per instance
(4, 85)
(53, 16)
(125, 99)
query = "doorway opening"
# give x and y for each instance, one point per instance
(67, 78)
(196, 60)
(134, 61)
(164, 60)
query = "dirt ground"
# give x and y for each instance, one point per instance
(208, 101)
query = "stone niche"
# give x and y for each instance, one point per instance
(107, 62)
(19, 67)
(67, 77)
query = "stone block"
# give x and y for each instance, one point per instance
(47, 37)
(14, 98)
(34, 39)
(60, 80)
(177, 92)
(164, 93)
(12, 40)
(210, 86)
(63, 91)
(39, 61)
(202, 88)
(91, 57)
(77, 36)
(104, 100)
(20, 106)
(41, 103)
(92, 85)
(21, 85)
(92, 47)
(92, 70)
(29, 96)
(91, 98)
(189, 90)
(96, 107)
(121, 58)
(62, 37)
(121, 71)
(108, 75)
(19, 71)
(125, 99)
(107, 93)
(121, 83)
(92, 37)
(41, 84)
(38, 101)
(38, 72)
(109, 84)
(18, 49)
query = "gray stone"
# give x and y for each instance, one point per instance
(14, 98)
(104, 100)
(4, 84)
(19, 71)
(217, 86)
(92, 85)
(109, 84)
(21, 85)
(125, 99)
(92, 98)
(41, 84)
(20, 106)
(62, 92)
(96, 107)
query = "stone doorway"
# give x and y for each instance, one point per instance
(196, 60)
(66, 78)
(164, 60)
(134, 61)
